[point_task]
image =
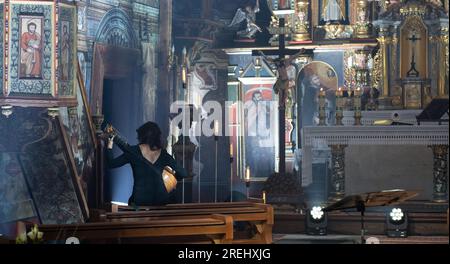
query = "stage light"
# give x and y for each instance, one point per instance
(316, 221)
(397, 223)
(317, 212)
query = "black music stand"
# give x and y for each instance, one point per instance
(371, 199)
(434, 112)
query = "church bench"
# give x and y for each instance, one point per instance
(260, 216)
(218, 228)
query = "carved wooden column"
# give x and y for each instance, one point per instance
(98, 119)
(440, 173)
(337, 181)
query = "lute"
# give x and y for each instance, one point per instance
(168, 174)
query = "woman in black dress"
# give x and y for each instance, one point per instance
(148, 160)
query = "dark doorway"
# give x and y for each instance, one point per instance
(122, 109)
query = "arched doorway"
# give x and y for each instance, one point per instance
(117, 90)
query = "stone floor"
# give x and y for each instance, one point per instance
(346, 239)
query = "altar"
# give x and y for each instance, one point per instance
(340, 138)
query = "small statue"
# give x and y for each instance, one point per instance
(249, 14)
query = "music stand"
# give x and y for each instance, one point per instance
(371, 199)
(434, 111)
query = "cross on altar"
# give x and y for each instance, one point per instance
(282, 63)
(413, 72)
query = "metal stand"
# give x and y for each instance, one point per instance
(247, 185)
(361, 208)
(216, 139)
(231, 178)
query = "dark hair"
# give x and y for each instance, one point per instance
(255, 93)
(31, 24)
(150, 134)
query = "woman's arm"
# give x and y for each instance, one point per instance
(115, 162)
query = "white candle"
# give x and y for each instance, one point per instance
(231, 149)
(216, 128)
(247, 174)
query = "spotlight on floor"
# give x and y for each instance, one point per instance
(316, 221)
(397, 223)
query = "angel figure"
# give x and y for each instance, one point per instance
(249, 14)
(282, 83)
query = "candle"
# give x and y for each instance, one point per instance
(321, 97)
(183, 74)
(358, 92)
(339, 99)
(264, 197)
(247, 174)
(216, 128)
(231, 150)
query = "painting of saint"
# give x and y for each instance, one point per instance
(31, 47)
(312, 78)
(333, 10)
(65, 51)
(260, 130)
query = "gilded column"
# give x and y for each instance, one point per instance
(440, 173)
(384, 41)
(443, 60)
(338, 172)
(395, 73)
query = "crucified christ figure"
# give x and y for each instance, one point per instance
(282, 64)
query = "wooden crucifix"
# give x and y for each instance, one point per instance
(413, 72)
(281, 86)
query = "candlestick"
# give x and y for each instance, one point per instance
(339, 107)
(322, 103)
(264, 197)
(357, 106)
(231, 172)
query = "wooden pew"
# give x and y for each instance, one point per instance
(260, 216)
(218, 228)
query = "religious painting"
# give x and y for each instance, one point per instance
(50, 179)
(313, 77)
(67, 50)
(279, 4)
(260, 129)
(15, 200)
(31, 49)
(412, 95)
(31, 60)
(333, 11)
(78, 129)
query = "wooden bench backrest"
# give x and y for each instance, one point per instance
(211, 225)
